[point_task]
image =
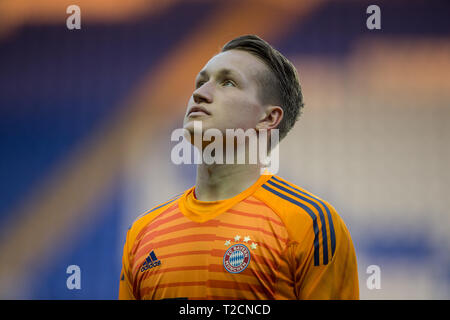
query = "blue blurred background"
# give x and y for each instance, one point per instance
(86, 117)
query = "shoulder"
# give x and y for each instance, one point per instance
(147, 216)
(302, 211)
(287, 198)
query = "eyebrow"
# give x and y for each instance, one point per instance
(221, 73)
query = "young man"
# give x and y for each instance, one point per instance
(240, 234)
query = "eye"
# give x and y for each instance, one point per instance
(228, 83)
(199, 83)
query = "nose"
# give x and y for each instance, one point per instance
(203, 94)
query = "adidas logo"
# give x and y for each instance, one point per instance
(150, 262)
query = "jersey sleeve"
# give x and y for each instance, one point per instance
(125, 285)
(335, 280)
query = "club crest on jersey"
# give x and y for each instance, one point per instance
(237, 258)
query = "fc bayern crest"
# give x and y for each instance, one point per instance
(236, 258)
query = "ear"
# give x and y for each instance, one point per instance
(271, 118)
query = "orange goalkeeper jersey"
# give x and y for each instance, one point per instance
(271, 241)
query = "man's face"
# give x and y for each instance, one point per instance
(227, 89)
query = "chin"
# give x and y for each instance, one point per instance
(189, 124)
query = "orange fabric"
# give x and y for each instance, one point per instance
(272, 241)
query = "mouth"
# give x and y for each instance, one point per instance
(198, 111)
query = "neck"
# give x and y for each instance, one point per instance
(224, 181)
